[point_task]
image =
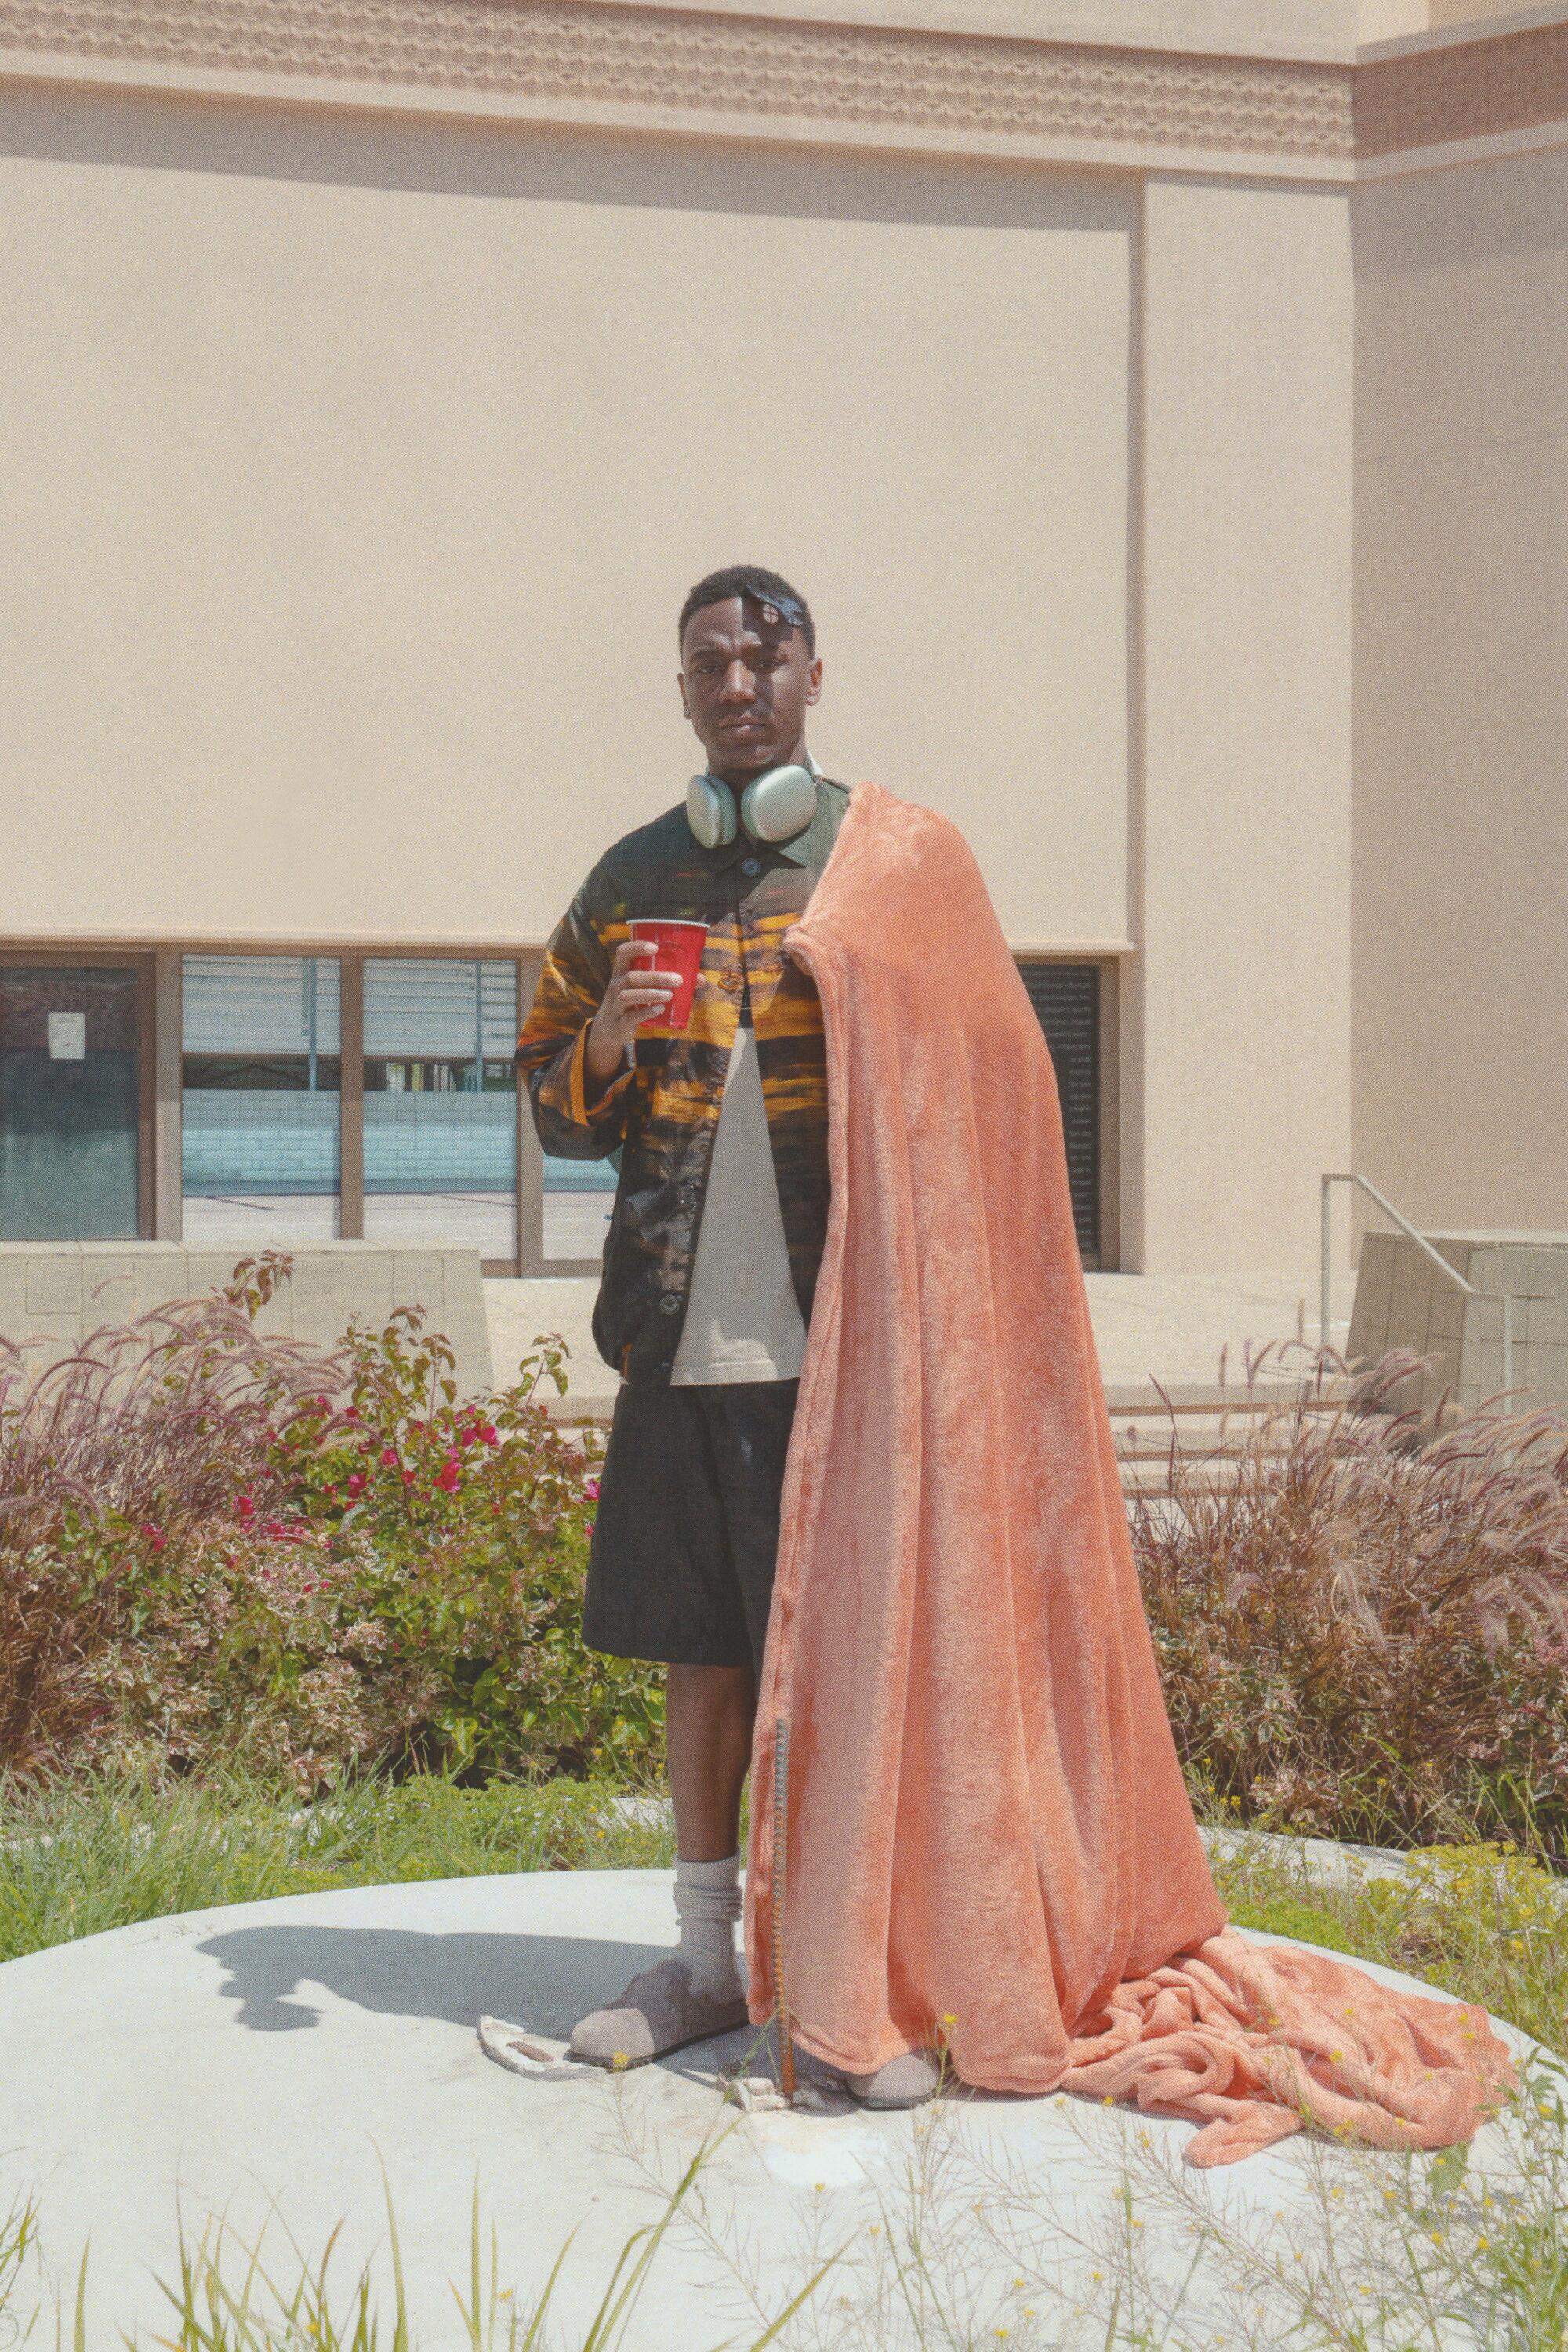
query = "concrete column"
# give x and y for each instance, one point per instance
(1241, 1016)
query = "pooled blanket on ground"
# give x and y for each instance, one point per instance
(989, 1840)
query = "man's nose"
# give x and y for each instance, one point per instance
(739, 686)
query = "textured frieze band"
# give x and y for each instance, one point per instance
(691, 62)
(688, 63)
(1475, 90)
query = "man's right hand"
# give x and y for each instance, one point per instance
(635, 994)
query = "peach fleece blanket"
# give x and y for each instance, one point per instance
(989, 1840)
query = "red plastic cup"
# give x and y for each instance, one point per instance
(677, 947)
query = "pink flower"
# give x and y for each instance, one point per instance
(408, 1477)
(389, 1457)
(590, 1526)
(449, 1477)
(356, 1484)
(350, 1412)
(490, 1434)
(591, 1488)
(245, 1508)
(468, 1435)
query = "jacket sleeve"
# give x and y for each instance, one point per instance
(552, 1050)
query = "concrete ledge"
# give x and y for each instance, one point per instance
(54, 1295)
(296, 2048)
(1401, 1300)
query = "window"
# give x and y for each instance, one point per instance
(1066, 997)
(578, 1197)
(260, 1099)
(68, 1103)
(440, 1103)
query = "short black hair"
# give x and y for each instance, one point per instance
(764, 587)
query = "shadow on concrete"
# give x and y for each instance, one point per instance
(546, 1982)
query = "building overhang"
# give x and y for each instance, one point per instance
(1197, 91)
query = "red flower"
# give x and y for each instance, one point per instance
(490, 1434)
(468, 1435)
(350, 1412)
(449, 1477)
(591, 1488)
(408, 1477)
(356, 1484)
(244, 1509)
(154, 1536)
(389, 1457)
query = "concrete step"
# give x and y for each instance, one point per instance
(1212, 1430)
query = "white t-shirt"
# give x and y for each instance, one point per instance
(742, 1319)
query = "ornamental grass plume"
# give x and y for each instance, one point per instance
(1362, 1620)
(149, 1428)
(216, 1542)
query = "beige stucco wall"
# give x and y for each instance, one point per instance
(1389, 20)
(364, 464)
(1461, 874)
(1239, 1044)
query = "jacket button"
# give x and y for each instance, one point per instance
(669, 1304)
(751, 865)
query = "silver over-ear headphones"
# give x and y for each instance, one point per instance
(773, 807)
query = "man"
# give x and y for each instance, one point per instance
(714, 1243)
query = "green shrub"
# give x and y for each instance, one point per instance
(316, 1561)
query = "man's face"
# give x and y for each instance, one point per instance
(746, 684)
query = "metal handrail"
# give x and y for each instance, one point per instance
(1439, 1260)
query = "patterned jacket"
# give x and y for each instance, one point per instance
(661, 1113)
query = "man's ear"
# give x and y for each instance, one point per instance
(814, 683)
(680, 687)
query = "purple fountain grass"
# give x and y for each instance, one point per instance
(1362, 1622)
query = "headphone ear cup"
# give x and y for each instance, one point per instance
(777, 806)
(711, 812)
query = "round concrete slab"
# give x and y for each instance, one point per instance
(267, 2062)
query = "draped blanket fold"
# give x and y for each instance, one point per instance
(989, 1839)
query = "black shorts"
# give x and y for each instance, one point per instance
(681, 1565)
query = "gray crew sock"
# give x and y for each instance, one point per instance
(707, 1904)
